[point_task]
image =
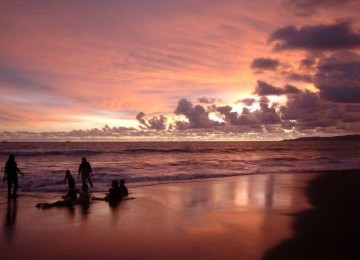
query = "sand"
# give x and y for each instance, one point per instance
(247, 217)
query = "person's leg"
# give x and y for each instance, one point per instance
(90, 181)
(10, 183)
(16, 185)
(83, 179)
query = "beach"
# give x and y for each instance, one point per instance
(227, 218)
(270, 216)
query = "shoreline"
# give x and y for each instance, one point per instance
(230, 218)
(135, 185)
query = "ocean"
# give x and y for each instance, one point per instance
(153, 163)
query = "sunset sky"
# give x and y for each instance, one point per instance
(178, 70)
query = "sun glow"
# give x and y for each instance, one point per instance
(88, 122)
(311, 87)
(215, 117)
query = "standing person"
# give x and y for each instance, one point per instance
(85, 171)
(11, 170)
(71, 182)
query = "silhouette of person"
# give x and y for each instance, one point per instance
(60, 203)
(70, 199)
(84, 194)
(71, 182)
(123, 190)
(114, 191)
(85, 171)
(11, 170)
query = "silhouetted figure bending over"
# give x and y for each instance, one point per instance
(85, 171)
(11, 171)
(71, 182)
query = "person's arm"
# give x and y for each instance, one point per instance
(65, 180)
(18, 170)
(5, 173)
(91, 173)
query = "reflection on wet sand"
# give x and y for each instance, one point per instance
(232, 218)
(10, 220)
(268, 191)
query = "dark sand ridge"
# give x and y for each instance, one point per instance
(232, 218)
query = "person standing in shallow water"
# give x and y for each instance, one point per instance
(11, 171)
(85, 171)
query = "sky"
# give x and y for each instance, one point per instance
(149, 70)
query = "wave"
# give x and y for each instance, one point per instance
(283, 159)
(85, 152)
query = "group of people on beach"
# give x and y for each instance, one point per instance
(117, 191)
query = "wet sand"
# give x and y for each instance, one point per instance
(232, 218)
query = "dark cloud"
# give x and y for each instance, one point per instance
(141, 118)
(158, 123)
(308, 111)
(263, 89)
(306, 100)
(197, 115)
(155, 123)
(307, 62)
(207, 100)
(260, 64)
(247, 101)
(316, 37)
(338, 77)
(263, 116)
(305, 111)
(299, 77)
(310, 7)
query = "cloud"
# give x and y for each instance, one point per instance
(310, 7)
(338, 77)
(316, 37)
(93, 134)
(155, 123)
(207, 100)
(308, 111)
(158, 123)
(261, 64)
(141, 118)
(263, 89)
(307, 62)
(304, 112)
(197, 115)
(247, 101)
(307, 78)
(256, 119)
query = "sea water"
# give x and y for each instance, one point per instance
(152, 163)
